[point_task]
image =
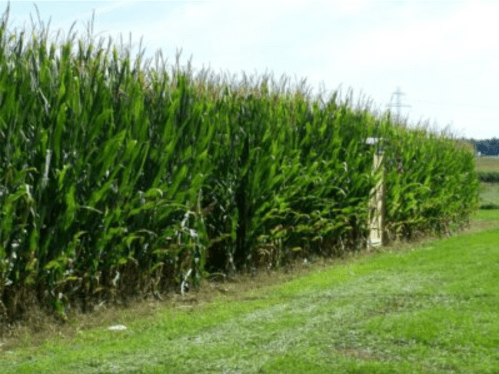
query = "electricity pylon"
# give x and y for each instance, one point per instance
(398, 104)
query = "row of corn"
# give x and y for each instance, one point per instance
(118, 180)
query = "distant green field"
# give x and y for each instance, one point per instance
(489, 195)
(487, 164)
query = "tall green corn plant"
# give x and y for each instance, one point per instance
(115, 182)
(103, 199)
(431, 186)
(325, 199)
(18, 232)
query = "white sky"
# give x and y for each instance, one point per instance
(443, 55)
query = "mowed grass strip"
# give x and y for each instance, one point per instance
(429, 309)
(486, 215)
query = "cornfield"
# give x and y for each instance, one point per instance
(117, 179)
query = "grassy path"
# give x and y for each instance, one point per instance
(432, 309)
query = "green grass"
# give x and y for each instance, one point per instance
(487, 215)
(430, 308)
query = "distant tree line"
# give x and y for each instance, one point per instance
(487, 147)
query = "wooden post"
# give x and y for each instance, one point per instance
(377, 198)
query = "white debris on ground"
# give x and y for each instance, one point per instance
(117, 328)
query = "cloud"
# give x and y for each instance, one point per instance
(239, 34)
